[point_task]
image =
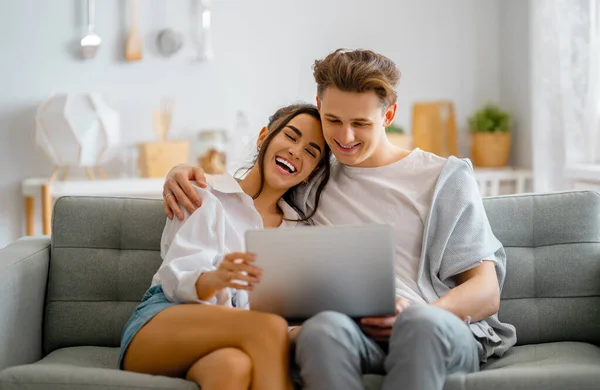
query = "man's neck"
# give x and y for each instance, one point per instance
(386, 154)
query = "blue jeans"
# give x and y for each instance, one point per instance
(153, 302)
(427, 344)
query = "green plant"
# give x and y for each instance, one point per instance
(394, 129)
(490, 119)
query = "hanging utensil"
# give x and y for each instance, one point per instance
(133, 50)
(168, 40)
(91, 41)
(202, 37)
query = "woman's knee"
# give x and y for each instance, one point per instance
(222, 368)
(236, 363)
(271, 323)
(265, 328)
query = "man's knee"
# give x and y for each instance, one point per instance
(422, 319)
(324, 328)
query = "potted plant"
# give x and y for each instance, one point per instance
(490, 136)
(398, 136)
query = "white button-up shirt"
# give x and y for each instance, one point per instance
(198, 243)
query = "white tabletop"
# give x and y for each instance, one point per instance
(100, 187)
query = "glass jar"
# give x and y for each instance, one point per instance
(210, 151)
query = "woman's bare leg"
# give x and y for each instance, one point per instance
(180, 335)
(232, 364)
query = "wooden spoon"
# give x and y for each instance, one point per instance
(133, 50)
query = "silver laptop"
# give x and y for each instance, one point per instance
(348, 269)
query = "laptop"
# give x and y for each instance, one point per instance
(306, 270)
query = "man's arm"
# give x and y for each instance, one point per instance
(477, 294)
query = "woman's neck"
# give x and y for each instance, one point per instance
(266, 202)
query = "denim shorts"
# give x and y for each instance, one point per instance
(153, 302)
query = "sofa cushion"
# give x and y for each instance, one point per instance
(104, 253)
(552, 366)
(90, 368)
(552, 287)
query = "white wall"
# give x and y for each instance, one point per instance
(264, 52)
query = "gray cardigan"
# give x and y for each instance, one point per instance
(458, 237)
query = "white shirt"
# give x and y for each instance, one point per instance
(398, 194)
(198, 243)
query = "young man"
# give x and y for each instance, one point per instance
(449, 266)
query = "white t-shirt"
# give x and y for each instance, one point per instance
(398, 194)
(198, 243)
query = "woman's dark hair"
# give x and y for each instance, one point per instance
(277, 122)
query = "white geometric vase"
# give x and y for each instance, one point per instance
(78, 130)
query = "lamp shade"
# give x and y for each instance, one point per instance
(78, 130)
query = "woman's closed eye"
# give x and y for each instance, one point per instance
(290, 137)
(309, 151)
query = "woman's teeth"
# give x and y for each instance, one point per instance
(286, 163)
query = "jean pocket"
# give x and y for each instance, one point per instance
(485, 334)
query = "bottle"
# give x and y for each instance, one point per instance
(239, 144)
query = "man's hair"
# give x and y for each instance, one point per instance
(358, 71)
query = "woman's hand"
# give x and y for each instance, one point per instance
(178, 190)
(235, 271)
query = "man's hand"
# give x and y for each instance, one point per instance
(178, 190)
(293, 335)
(380, 328)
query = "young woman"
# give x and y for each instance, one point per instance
(191, 322)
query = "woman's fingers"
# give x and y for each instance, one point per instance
(249, 269)
(240, 286)
(245, 256)
(232, 275)
(238, 262)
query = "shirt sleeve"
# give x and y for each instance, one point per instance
(463, 227)
(193, 246)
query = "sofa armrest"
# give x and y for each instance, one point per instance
(23, 278)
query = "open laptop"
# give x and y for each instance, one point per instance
(348, 269)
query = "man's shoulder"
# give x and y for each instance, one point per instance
(428, 161)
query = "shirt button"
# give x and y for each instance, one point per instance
(491, 331)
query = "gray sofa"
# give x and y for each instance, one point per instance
(64, 301)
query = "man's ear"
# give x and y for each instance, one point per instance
(318, 103)
(390, 114)
(261, 136)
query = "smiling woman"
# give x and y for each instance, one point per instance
(193, 321)
(291, 142)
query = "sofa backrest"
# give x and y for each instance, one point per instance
(552, 287)
(106, 250)
(104, 254)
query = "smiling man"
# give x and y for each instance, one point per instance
(450, 267)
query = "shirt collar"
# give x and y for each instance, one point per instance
(227, 184)
(224, 183)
